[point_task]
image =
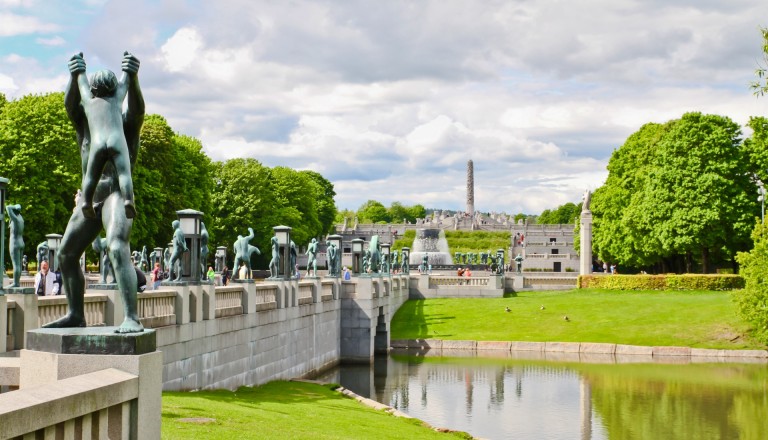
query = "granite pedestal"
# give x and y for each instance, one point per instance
(55, 354)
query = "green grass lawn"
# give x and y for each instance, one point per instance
(701, 319)
(283, 410)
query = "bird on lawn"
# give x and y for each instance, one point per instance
(542, 307)
(566, 318)
(507, 309)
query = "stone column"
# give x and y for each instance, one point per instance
(3, 324)
(585, 266)
(25, 317)
(471, 189)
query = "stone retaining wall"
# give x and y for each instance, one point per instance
(616, 352)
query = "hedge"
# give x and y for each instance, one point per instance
(662, 282)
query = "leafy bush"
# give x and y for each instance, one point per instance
(752, 302)
(405, 241)
(662, 282)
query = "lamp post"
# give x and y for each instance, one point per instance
(189, 223)
(283, 234)
(385, 257)
(53, 250)
(357, 255)
(3, 189)
(333, 269)
(761, 199)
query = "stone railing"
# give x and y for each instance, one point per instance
(458, 281)
(326, 292)
(531, 281)
(266, 297)
(102, 401)
(305, 293)
(229, 301)
(552, 256)
(51, 308)
(530, 244)
(157, 308)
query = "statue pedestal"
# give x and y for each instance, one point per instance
(25, 316)
(103, 286)
(56, 354)
(247, 281)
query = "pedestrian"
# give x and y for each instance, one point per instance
(211, 274)
(141, 280)
(45, 281)
(347, 274)
(157, 276)
(224, 275)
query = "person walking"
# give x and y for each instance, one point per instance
(46, 281)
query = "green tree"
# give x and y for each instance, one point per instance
(324, 202)
(756, 147)
(294, 193)
(172, 173)
(697, 194)
(372, 212)
(760, 86)
(620, 233)
(243, 197)
(752, 301)
(41, 159)
(417, 211)
(563, 214)
(151, 180)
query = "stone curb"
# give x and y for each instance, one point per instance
(579, 347)
(375, 405)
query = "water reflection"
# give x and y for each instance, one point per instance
(570, 400)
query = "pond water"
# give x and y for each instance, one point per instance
(513, 398)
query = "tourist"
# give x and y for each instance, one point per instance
(243, 272)
(45, 281)
(224, 275)
(347, 274)
(460, 272)
(297, 272)
(156, 276)
(467, 273)
(211, 274)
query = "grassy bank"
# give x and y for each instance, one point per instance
(283, 410)
(701, 319)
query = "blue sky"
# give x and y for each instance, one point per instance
(390, 99)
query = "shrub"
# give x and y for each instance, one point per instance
(662, 282)
(752, 302)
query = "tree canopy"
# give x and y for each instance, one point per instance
(760, 85)
(172, 172)
(677, 195)
(563, 214)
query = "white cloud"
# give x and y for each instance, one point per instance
(181, 50)
(14, 24)
(53, 41)
(390, 99)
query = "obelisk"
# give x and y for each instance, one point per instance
(470, 189)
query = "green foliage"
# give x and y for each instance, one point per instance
(694, 319)
(41, 159)
(243, 197)
(477, 241)
(676, 191)
(752, 302)
(295, 193)
(759, 87)
(563, 214)
(372, 212)
(324, 204)
(406, 240)
(662, 282)
(172, 173)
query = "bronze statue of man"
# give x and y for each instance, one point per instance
(179, 247)
(109, 203)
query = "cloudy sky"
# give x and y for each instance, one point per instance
(389, 99)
